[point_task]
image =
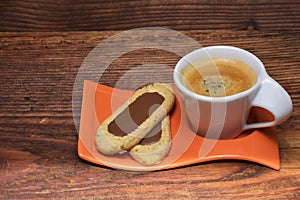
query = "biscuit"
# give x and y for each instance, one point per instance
(155, 147)
(133, 120)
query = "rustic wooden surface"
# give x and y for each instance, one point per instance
(45, 15)
(38, 139)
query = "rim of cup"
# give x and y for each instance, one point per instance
(229, 52)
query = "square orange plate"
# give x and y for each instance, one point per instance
(98, 102)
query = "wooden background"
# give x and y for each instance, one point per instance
(63, 15)
(42, 45)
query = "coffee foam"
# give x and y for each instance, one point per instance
(218, 77)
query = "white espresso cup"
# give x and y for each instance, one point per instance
(226, 117)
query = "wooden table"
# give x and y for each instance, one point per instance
(38, 138)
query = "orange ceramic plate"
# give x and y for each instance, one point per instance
(187, 148)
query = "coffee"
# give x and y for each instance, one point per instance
(218, 77)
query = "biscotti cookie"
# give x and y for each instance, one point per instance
(133, 120)
(155, 146)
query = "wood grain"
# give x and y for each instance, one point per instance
(45, 15)
(38, 139)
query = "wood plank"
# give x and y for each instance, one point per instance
(45, 15)
(44, 172)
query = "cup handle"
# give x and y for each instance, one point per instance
(275, 99)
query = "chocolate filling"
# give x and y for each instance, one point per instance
(153, 136)
(135, 114)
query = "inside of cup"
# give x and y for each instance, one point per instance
(207, 54)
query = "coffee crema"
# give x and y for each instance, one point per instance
(218, 77)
